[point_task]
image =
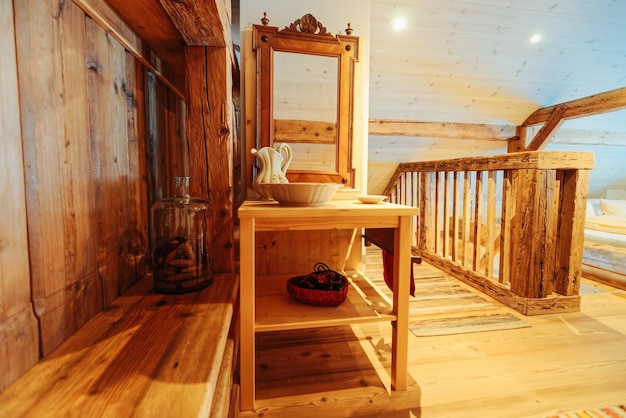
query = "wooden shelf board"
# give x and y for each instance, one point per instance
(276, 310)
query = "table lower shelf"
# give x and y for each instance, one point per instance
(277, 310)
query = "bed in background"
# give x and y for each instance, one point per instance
(604, 255)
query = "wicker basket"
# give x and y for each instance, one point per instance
(323, 287)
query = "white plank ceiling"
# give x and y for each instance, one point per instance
(472, 61)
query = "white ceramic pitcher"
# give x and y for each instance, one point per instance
(273, 164)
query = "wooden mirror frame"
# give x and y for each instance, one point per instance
(308, 36)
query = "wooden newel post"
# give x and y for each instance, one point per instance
(533, 245)
(571, 234)
(548, 232)
(208, 81)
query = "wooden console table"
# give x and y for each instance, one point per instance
(261, 310)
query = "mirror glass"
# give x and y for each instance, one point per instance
(305, 109)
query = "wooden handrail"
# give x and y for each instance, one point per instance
(510, 225)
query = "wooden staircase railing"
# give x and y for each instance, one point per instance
(510, 225)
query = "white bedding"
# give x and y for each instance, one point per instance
(606, 238)
(605, 222)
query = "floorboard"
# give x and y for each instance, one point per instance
(563, 362)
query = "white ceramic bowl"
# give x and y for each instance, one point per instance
(371, 199)
(303, 194)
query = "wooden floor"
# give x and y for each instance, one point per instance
(563, 362)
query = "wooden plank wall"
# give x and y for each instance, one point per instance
(17, 321)
(89, 174)
(297, 252)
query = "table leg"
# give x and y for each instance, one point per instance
(401, 279)
(246, 312)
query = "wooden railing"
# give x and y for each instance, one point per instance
(510, 225)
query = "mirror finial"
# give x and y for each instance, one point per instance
(264, 19)
(349, 29)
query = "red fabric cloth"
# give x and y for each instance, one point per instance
(388, 272)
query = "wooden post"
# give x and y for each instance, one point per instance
(574, 185)
(445, 225)
(428, 213)
(521, 245)
(455, 217)
(467, 214)
(491, 223)
(478, 210)
(532, 253)
(508, 214)
(209, 132)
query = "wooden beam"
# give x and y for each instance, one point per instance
(474, 131)
(533, 160)
(304, 131)
(143, 24)
(571, 234)
(590, 137)
(591, 105)
(201, 23)
(518, 142)
(548, 130)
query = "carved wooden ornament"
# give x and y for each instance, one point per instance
(308, 24)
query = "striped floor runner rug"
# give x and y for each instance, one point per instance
(443, 306)
(618, 411)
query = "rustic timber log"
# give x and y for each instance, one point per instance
(209, 135)
(304, 131)
(201, 23)
(553, 116)
(450, 130)
(591, 105)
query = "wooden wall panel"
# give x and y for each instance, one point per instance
(18, 323)
(85, 162)
(296, 252)
(108, 108)
(177, 152)
(159, 186)
(52, 77)
(135, 242)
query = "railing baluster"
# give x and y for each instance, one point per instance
(508, 212)
(455, 217)
(467, 213)
(415, 202)
(478, 212)
(491, 223)
(446, 215)
(438, 226)
(430, 212)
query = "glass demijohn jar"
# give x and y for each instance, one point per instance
(179, 230)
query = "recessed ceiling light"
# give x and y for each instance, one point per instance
(535, 38)
(399, 23)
